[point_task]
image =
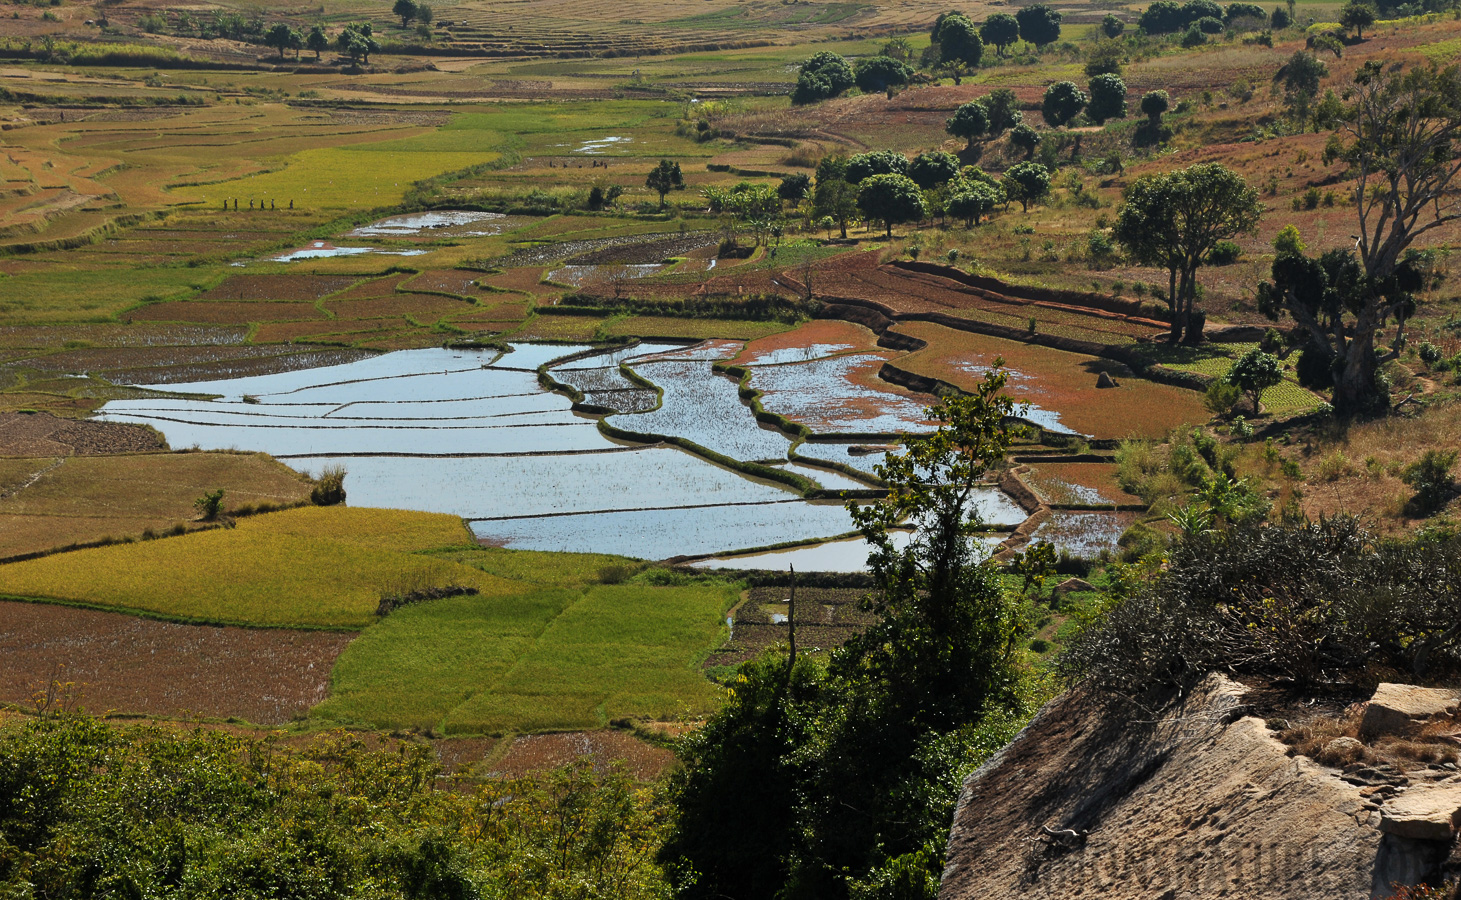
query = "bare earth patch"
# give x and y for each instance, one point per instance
(541, 752)
(125, 664)
(42, 434)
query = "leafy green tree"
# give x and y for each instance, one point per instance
(1154, 104)
(970, 121)
(823, 76)
(794, 187)
(934, 168)
(1357, 15)
(1400, 140)
(1039, 24)
(1063, 102)
(281, 37)
(1240, 10)
(317, 41)
(834, 197)
(891, 199)
(1193, 37)
(1173, 220)
(664, 178)
(357, 42)
(424, 13)
(1255, 373)
(1026, 182)
(974, 200)
(406, 9)
(875, 74)
(960, 47)
(1026, 138)
(1162, 17)
(1300, 77)
(1108, 99)
(1431, 477)
(1280, 19)
(1112, 27)
(1003, 110)
(875, 162)
(1105, 58)
(1001, 30)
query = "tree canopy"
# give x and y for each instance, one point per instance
(1039, 24)
(875, 162)
(1173, 220)
(970, 121)
(960, 47)
(891, 199)
(1108, 98)
(1001, 30)
(823, 76)
(834, 197)
(1063, 102)
(664, 178)
(1357, 15)
(875, 74)
(1026, 182)
(933, 168)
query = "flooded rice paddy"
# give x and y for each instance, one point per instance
(473, 433)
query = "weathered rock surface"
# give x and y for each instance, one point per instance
(1403, 709)
(1200, 802)
(1426, 812)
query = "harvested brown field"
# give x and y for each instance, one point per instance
(1066, 483)
(42, 434)
(450, 281)
(124, 664)
(49, 336)
(287, 332)
(423, 307)
(1056, 381)
(525, 279)
(375, 287)
(278, 287)
(223, 312)
(103, 359)
(563, 328)
(819, 337)
(265, 365)
(670, 327)
(541, 752)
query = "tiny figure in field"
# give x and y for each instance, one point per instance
(251, 204)
(291, 204)
(235, 204)
(271, 204)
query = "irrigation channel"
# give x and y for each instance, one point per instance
(475, 433)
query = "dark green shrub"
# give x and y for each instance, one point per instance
(329, 489)
(1224, 253)
(1431, 477)
(209, 505)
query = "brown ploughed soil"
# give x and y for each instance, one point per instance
(42, 434)
(126, 664)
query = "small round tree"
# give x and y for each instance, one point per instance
(1255, 373)
(931, 169)
(406, 9)
(1026, 182)
(1063, 102)
(876, 74)
(960, 46)
(974, 200)
(1112, 27)
(1001, 30)
(1153, 104)
(970, 121)
(1358, 16)
(795, 187)
(317, 41)
(1003, 109)
(281, 37)
(824, 75)
(891, 199)
(1039, 24)
(664, 178)
(1108, 98)
(1026, 138)
(876, 162)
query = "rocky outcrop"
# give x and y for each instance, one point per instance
(1198, 801)
(1403, 709)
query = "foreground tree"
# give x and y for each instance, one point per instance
(1400, 140)
(875, 74)
(934, 168)
(875, 162)
(891, 199)
(281, 37)
(406, 9)
(1112, 27)
(1174, 220)
(664, 178)
(974, 200)
(1253, 374)
(842, 782)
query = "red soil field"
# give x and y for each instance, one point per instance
(375, 287)
(541, 752)
(1055, 380)
(126, 664)
(278, 287)
(817, 332)
(452, 281)
(285, 332)
(1054, 482)
(41, 434)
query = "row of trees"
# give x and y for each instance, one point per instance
(355, 41)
